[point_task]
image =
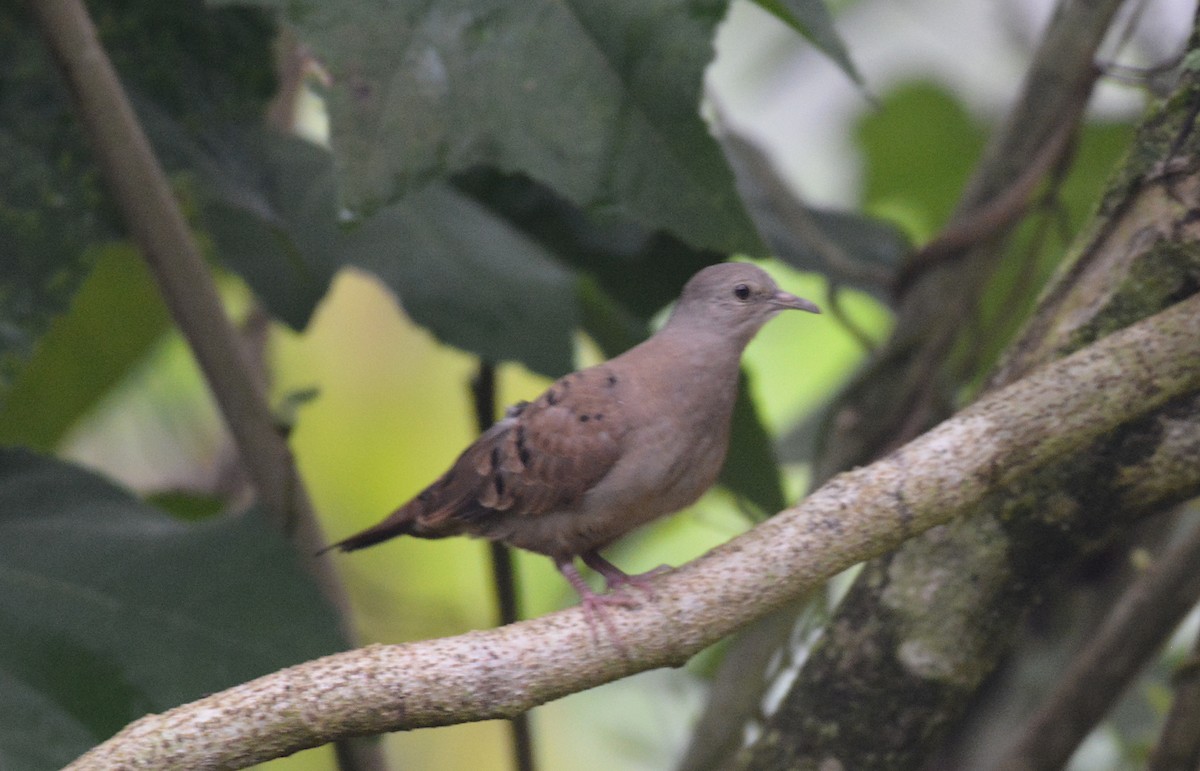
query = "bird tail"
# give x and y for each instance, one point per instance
(400, 522)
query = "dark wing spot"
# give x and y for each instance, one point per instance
(552, 397)
(584, 418)
(598, 416)
(522, 449)
(425, 495)
(612, 380)
(516, 409)
(474, 511)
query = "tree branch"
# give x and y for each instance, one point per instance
(906, 388)
(954, 598)
(1045, 418)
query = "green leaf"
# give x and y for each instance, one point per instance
(35, 731)
(751, 468)
(641, 269)
(597, 100)
(113, 609)
(850, 249)
(811, 18)
(50, 193)
(269, 203)
(920, 134)
(114, 320)
(471, 278)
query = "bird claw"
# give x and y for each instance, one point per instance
(616, 579)
(595, 606)
(640, 581)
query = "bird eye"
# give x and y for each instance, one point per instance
(741, 291)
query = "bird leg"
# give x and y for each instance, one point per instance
(616, 579)
(595, 605)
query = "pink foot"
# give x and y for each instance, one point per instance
(617, 579)
(595, 606)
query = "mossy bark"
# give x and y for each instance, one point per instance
(923, 627)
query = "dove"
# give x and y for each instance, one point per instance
(609, 448)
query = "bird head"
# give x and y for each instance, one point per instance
(734, 300)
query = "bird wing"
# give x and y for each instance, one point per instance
(543, 456)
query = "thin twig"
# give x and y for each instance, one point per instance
(1178, 747)
(504, 574)
(998, 214)
(837, 311)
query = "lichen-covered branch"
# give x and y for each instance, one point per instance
(1039, 422)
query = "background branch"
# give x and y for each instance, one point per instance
(157, 225)
(905, 388)
(1053, 414)
(504, 574)
(1137, 627)
(1178, 747)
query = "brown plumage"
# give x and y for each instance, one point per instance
(608, 448)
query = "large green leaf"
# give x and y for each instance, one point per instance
(472, 278)
(112, 609)
(920, 146)
(269, 203)
(851, 249)
(751, 469)
(196, 68)
(640, 268)
(48, 193)
(597, 100)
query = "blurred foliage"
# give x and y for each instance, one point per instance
(197, 67)
(422, 91)
(919, 148)
(123, 610)
(915, 177)
(852, 250)
(1038, 246)
(115, 318)
(616, 177)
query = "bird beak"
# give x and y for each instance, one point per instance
(785, 300)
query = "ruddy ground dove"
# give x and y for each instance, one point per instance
(610, 447)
